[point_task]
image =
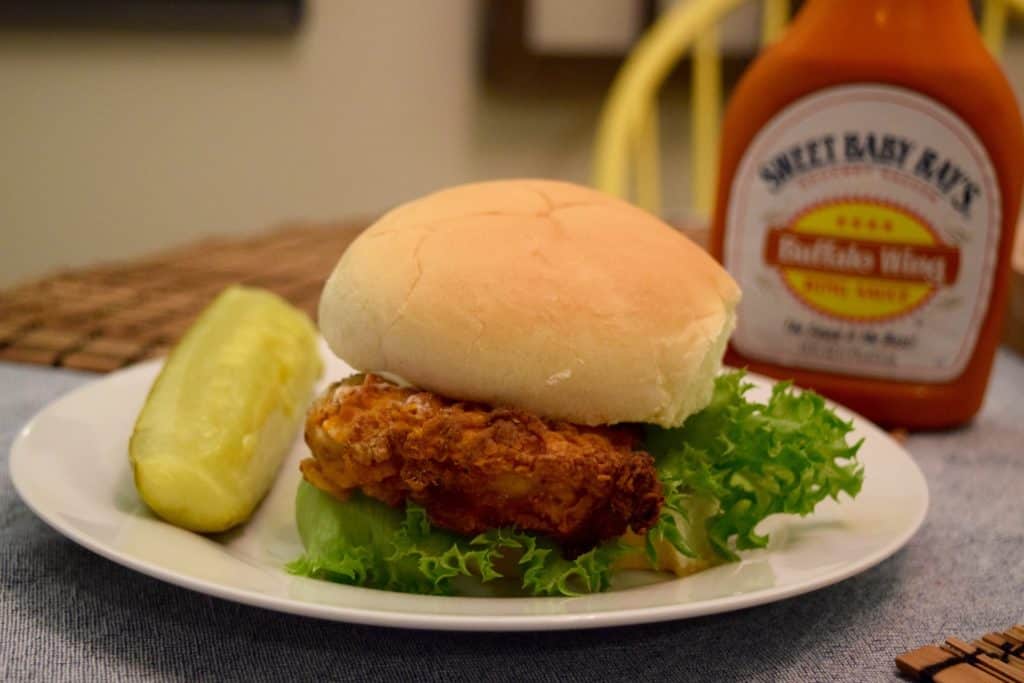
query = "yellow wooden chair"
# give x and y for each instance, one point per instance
(626, 151)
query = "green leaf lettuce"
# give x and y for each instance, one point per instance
(736, 462)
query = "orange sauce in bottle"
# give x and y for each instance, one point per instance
(869, 186)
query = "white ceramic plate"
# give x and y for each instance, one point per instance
(70, 465)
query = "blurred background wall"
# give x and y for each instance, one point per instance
(114, 143)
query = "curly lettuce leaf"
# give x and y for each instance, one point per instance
(364, 542)
(736, 462)
(546, 572)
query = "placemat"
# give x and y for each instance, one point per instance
(106, 317)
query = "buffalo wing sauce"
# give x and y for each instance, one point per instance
(869, 186)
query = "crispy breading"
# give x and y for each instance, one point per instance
(474, 467)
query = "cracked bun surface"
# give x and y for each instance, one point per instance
(535, 294)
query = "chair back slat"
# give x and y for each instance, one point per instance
(774, 17)
(647, 167)
(706, 117)
(993, 24)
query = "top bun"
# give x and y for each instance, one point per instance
(535, 294)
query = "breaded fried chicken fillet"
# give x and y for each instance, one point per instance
(474, 468)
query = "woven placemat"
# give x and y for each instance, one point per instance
(104, 318)
(107, 317)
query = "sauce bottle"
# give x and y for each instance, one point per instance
(870, 181)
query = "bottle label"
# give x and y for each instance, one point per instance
(863, 226)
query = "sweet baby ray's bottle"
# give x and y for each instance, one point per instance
(869, 186)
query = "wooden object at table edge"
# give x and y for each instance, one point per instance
(993, 657)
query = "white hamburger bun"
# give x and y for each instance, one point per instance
(535, 294)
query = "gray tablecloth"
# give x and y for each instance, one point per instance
(67, 614)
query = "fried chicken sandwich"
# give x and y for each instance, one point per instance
(540, 402)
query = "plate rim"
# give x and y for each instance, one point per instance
(455, 622)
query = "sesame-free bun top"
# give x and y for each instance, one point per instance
(535, 294)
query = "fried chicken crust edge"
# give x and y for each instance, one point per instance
(474, 467)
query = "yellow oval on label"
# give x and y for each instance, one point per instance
(859, 259)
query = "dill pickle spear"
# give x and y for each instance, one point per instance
(224, 410)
